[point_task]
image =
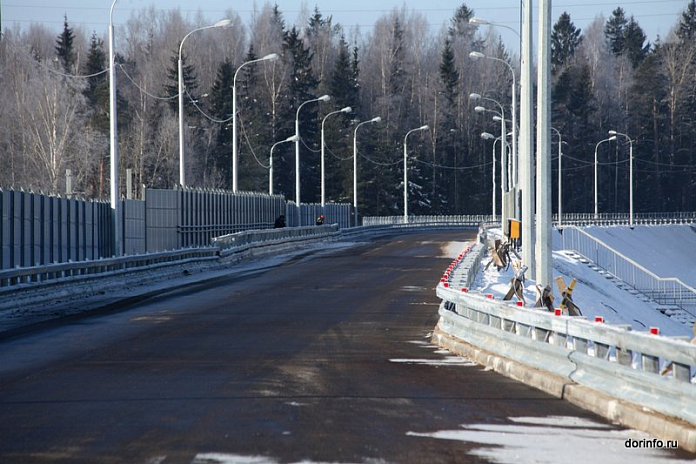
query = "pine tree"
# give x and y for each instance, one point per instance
(302, 87)
(97, 90)
(565, 39)
(443, 194)
(190, 83)
(615, 31)
(634, 40)
(64, 47)
(687, 23)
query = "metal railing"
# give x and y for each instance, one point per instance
(622, 219)
(668, 291)
(650, 370)
(101, 267)
(464, 220)
(234, 242)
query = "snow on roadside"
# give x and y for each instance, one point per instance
(594, 294)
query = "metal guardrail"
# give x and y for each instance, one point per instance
(103, 266)
(618, 219)
(463, 220)
(653, 371)
(234, 242)
(668, 291)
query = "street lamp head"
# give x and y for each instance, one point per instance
(223, 23)
(292, 138)
(476, 55)
(497, 119)
(324, 98)
(474, 96)
(271, 57)
(487, 136)
(613, 137)
(476, 20)
(347, 109)
(479, 109)
(376, 119)
(612, 132)
(423, 127)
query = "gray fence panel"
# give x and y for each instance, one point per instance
(162, 208)
(17, 235)
(134, 227)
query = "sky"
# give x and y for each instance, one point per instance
(656, 17)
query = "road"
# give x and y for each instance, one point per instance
(324, 358)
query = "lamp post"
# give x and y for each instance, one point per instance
(355, 164)
(488, 136)
(182, 156)
(503, 154)
(347, 109)
(113, 130)
(270, 162)
(323, 98)
(596, 208)
(271, 57)
(630, 175)
(421, 128)
(560, 177)
(475, 56)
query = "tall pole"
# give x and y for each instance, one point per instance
(182, 155)
(596, 203)
(406, 171)
(526, 166)
(271, 57)
(113, 129)
(270, 163)
(543, 245)
(630, 175)
(477, 55)
(355, 165)
(323, 98)
(560, 178)
(347, 109)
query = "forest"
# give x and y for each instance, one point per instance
(54, 114)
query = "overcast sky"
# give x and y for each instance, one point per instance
(654, 16)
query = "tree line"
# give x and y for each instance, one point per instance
(55, 111)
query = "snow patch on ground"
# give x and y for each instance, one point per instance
(551, 440)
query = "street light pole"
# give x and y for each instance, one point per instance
(182, 156)
(422, 128)
(347, 109)
(113, 130)
(323, 98)
(270, 162)
(355, 164)
(503, 154)
(477, 55)
(560, 178)
(596, 208)
(271, 57)
(488, 136)
(630, 176)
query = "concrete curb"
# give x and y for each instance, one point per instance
(621, 412)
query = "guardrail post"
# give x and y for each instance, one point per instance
(650, 363)
(682, 373)
(580, 345)
(623, 356)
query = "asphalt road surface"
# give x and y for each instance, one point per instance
(324, 358)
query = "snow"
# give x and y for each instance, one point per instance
(669, 251)
(552, 439)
